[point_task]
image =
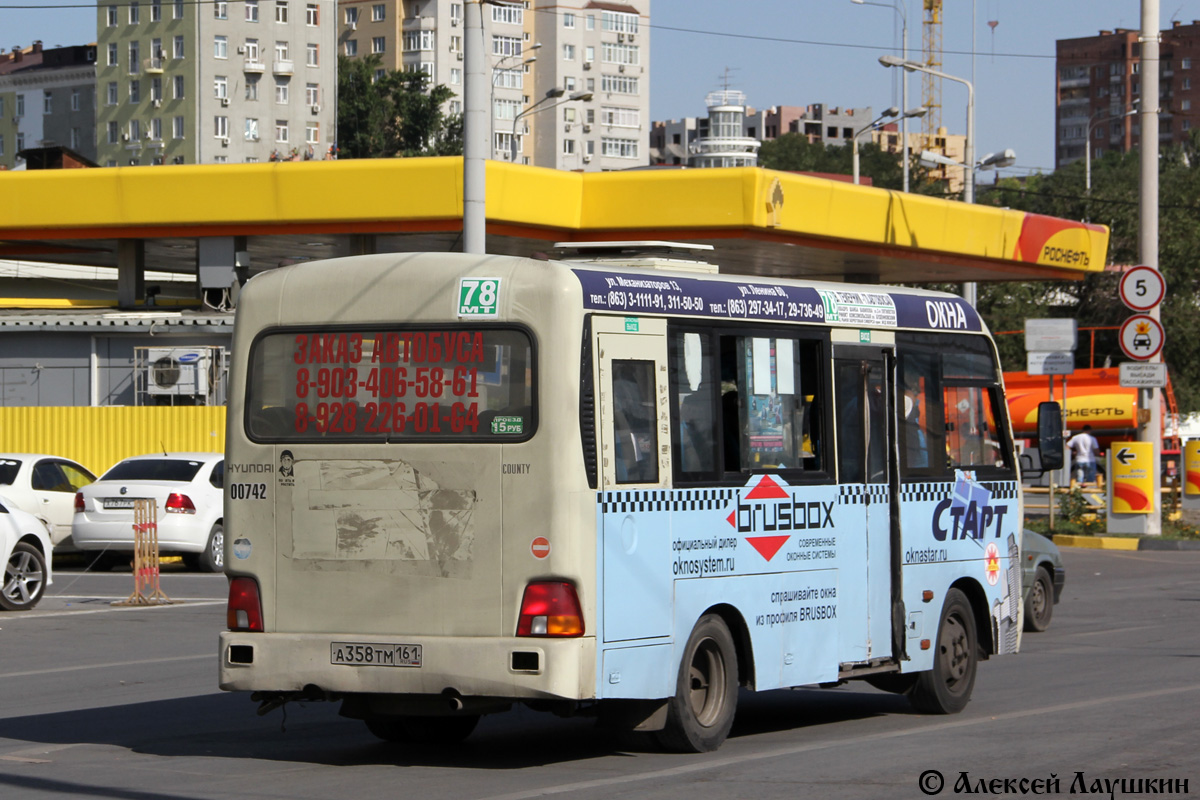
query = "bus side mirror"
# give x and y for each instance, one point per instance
(1050, 436)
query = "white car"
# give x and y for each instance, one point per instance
(25, 550)
(187, 493)
(45, 486)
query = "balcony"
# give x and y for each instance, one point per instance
(254, 64)
(153, 66)
(282, 67)
(419, 23)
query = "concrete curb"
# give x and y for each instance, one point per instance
(1124, 543)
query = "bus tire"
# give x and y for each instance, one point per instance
(700, 714)
(423, 730)
(946, 689)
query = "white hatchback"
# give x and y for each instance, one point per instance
(187, 489)
(25, 551)
(45, 486)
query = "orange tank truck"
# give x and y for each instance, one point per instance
(1094, 397)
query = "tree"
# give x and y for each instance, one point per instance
(795, 153)
(393, 114)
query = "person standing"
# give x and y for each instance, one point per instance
(1084, 449)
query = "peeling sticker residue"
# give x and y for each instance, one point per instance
(382, 510)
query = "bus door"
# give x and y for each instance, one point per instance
(635, 466)
(862, 378)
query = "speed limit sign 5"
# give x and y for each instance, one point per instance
(1142, 288)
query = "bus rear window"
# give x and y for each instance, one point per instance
(389, 385)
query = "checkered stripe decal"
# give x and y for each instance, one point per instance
(925, 492)
(858, 495)
(683, 500)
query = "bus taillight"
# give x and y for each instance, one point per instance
(245, 607)
(550, 609)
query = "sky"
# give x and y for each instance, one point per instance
(799, 52)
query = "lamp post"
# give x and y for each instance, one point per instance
(898, 7)
(551, 94)
(1087, 146)
(875, 124)
(499, 67)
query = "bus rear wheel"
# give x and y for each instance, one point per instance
(423, 730)
(946, 689)
(700, 714)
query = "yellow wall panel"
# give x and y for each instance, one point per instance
(99, 437)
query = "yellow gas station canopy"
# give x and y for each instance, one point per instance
(759, 221)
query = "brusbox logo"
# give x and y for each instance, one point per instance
(768, 512)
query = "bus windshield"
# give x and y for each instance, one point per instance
(367, 384)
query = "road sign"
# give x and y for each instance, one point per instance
(540, 547)
(1057, 362)
(1142, 288)
(1131, 484)
(1138, 375)
(1141, 337)
(1046, 335)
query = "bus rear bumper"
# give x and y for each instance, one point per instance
(513, 668)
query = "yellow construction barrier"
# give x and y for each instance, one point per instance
(146, 589)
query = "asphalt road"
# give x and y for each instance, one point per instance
(117, 703)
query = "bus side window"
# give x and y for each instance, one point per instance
(694, 388)
(635, 440)
(919, 376)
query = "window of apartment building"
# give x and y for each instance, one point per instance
(251, 132)
(1187, 83)
(379, 44)
(177, 50)
(312, 15)
(507, 109)
(568, 147)
(251, 10)
(134, 59)
(220, 47)
(281, 131)
(155, 129)
(506, 45)
(282, 53)
(135, 92)
(352, 16)
(568, 20)
(253, 53)
(618, 22)
(618, 148)
(620, 117)
(76, 138)
(456, 44)
(134, 14)
(156, 89)
(312, 94)
(455, 76)
(503, 143)
(589, 54)
(112, 98)
(221, 127)
(1135, 68)
(569, 83)
(281, 11)
(589, 116)
(177, 128)
(221, 10)
(590, 147)
(1185, 105)
(252, 87)
(418, 40)
(378, 12)
(155, 10)
(113, 132)
(379, 75)
(178, 88)
(221, 87)
(508, 78)
(281, 91)
(1187, 124)
(570, 115)
(178, 9)
(1185, 63)
(625, 54)
(47, 102)
(428, 68)
(312, 53)
(112, 16)
(568, 52)
(74, 99)
(220, 159)
(351, 47)
(513, 15)
(456, 13)
(135, 129)
(455, 106)
(19, 109)
(590, 22)
(312, 132)
(1135, 87)
(113, 60)
(156, 52)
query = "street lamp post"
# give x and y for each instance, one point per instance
(551, 94)
(497, 68)
(969, 291)
(919, 111)
(1087, 145)
(899, 9)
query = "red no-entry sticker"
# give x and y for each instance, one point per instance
(540, 547)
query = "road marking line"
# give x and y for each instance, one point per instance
(46, 614)
(109, 665)
(738, 760)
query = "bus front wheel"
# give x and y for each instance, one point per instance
(700, 714)
(946, 689)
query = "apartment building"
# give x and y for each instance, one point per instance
(1098, 89)
(47, 99)
(181, 82)
(570, 84)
